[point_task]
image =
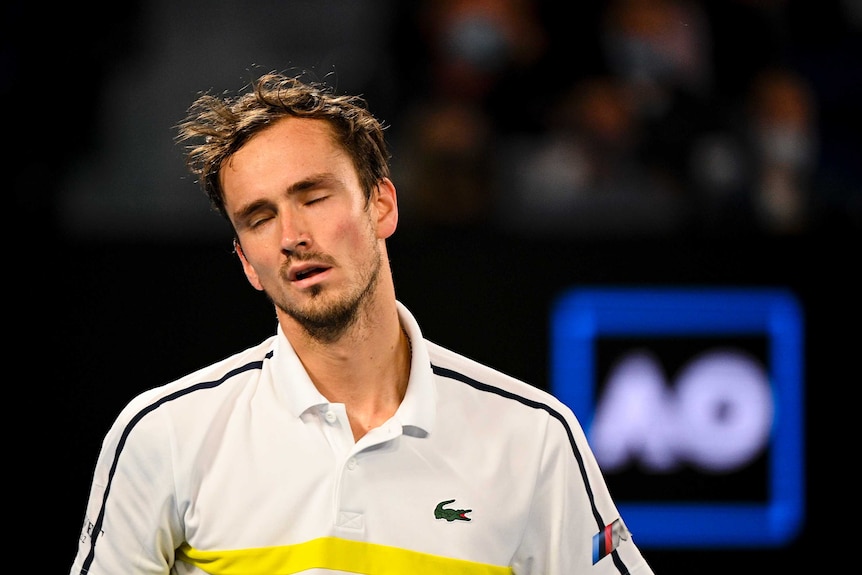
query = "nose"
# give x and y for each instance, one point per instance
(294, 234)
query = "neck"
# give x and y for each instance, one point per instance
(366, 369)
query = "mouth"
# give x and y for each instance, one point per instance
(304, 273)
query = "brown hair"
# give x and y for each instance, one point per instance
(219, 127)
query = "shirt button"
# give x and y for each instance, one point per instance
(351, 463)
(331, 417)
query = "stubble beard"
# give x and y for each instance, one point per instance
(327, 321)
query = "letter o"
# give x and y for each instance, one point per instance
(724, 410)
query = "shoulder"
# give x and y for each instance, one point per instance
(504, 407)
(221, 376)
(470, 374)
(143, 435)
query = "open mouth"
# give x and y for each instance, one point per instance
(307, 273)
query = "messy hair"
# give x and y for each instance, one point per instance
(217, 127)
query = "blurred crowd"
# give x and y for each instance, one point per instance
(604, 118)
(625, 117)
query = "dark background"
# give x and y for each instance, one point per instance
(136, 315)
(114, 294)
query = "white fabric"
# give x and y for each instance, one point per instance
(246, 453)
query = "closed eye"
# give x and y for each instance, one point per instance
(315, 200)
(257, 222)
(254, 214)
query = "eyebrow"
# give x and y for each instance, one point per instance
(313, 181)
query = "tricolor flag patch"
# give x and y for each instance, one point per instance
(608, 539)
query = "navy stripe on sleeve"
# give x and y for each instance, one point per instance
(97, 526)
(451, 374)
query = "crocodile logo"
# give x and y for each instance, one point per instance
(451, 514)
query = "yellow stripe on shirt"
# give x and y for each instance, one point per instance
(331, 553)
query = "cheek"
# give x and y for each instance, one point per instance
(353, 242)
(356, 232)
(262, 253)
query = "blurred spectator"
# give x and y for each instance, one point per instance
(613, 158)
(473, 44)
(443, 164)
(584, 174)
(444, 154)
(783, 121)
(660, 48)
(662, 51)
(754, 172)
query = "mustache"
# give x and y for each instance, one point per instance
(320, 257)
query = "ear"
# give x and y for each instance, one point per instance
(250, 274)
(385, 203)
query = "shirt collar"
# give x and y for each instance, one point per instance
(416, 412)
(418, 407)
(291, 380)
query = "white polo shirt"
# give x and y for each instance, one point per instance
(243, 468)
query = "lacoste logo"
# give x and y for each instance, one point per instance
(451, 514)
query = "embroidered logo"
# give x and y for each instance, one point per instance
(608, 539)
(451, 514)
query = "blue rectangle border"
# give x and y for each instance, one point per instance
(582, 315)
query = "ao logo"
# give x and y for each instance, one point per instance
(717, 415)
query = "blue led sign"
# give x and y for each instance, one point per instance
(692, 400)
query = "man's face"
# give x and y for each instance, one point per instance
(306, 236)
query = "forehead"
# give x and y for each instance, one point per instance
(291, 136)
(285, 152)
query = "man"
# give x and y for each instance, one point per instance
(345, 442)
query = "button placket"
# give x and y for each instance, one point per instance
(333, 423)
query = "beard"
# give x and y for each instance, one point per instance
(326, 319)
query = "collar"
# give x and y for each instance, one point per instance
(416, 412)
